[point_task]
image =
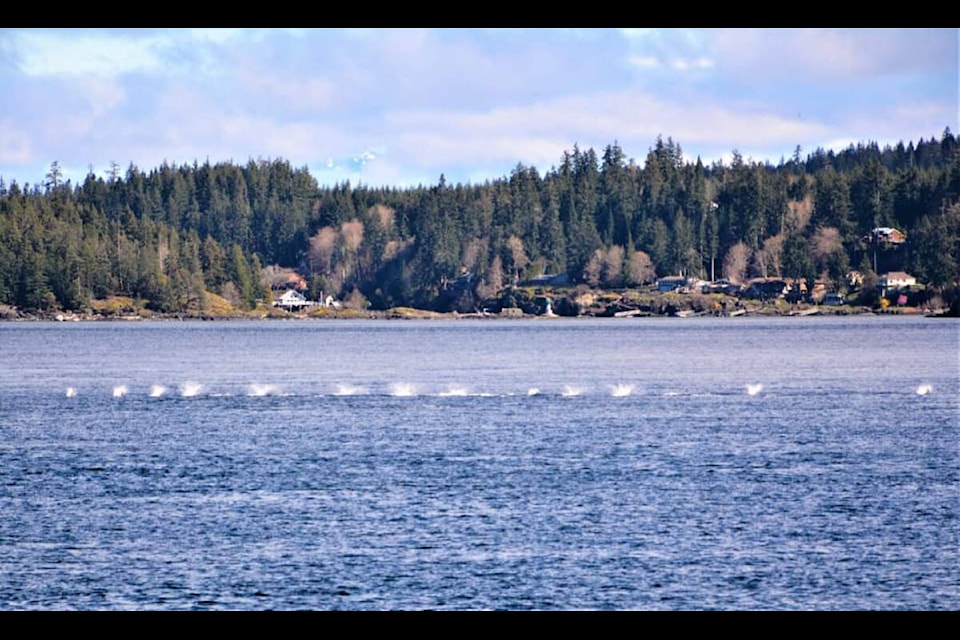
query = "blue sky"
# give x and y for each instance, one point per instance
(399, 107)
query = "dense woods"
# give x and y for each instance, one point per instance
(174, 235)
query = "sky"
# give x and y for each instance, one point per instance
(400, 107)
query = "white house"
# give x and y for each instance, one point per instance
(291, 300)
(896, 279)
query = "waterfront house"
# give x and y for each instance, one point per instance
(766, 288)
(671, 283)
(896, 280)
(721, 286)
(292, 300)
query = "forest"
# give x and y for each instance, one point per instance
(177, 237)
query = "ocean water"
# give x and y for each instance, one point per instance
(646, 463)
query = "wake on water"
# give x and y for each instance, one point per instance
(404, 389)
(454, 390)
(260, 390)
(621, 390)
(190, 389)
(349, 390)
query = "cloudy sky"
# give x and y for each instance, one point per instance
(400, 107)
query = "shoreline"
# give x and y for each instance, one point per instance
(422, 314)
(522, 305)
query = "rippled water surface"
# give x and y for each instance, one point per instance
(722, 463)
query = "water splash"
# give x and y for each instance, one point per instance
(403, 390)
(157, 390)
(924, 389)
(621, 390)
(349, 390)
(120, 390)
(259, 390)
(754, 389)
(190, 389)
(570, 391)
(455, 390)
(71, 392)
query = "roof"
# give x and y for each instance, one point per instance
(898, 275)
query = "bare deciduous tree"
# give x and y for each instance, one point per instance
(825, 242)
(798, 214)
(473, 253)
(770, 254)
(830, 258)
(395, 247)
(612, 267)
(517, 255)
(736, 261)
(594, 268)
(492, 280)
(352, 233)
(323, 247)
(386, 216)
(640, 269)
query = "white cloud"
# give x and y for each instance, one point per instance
(644, 62)
(217, 36)
(59, 53)
(685, 49)
(539, 134)
(833, 54)
(932, 112)
(638, 33)
(288, 94)
(15, 147)
(459, 102)
(101, 94)
(114, 52)
(685, 64)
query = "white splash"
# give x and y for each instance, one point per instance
(259, 390)
(754, 389)
(533, 391)
(349, 390)
(71, 391)
(924, 389)
(157, 390)
(570, 392)
(454, 390)
(120, 390)
(190, 389)
(621, 390)
(403, 390)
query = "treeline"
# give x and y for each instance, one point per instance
(170, 236)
